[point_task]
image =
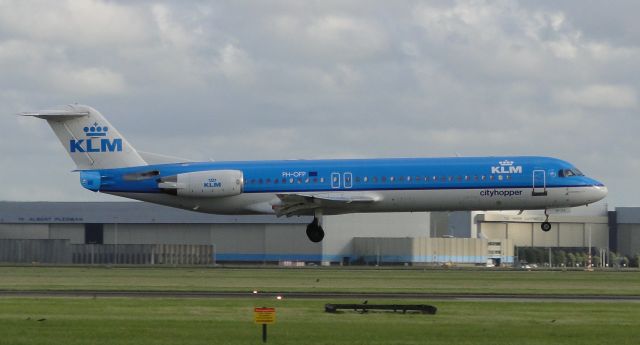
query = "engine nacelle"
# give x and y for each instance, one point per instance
(210, 183)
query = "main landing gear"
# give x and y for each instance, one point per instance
(315, 231)
(545, 226)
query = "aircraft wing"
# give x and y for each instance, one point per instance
(304, 203)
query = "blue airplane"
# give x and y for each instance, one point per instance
(109, 164)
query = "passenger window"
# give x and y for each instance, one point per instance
(365, 179)
(392, 178)
(291, 180)
(322, 180)
(383, 179)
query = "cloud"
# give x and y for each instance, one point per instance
(236, 65)
(236, 80)
(331, 36)
(599, 96)
(87, 23)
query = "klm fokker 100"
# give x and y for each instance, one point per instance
(109, 164)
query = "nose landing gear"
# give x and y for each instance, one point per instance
(545, 226)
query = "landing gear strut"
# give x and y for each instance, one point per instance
(314, 231)
(545, 226)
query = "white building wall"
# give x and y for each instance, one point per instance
(340, 230)
(24, 231)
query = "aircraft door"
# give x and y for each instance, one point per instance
(348, 180)
(539, 183)
(335, 180)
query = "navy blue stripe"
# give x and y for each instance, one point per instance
(402, 189)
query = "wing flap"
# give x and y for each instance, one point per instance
(304, 203)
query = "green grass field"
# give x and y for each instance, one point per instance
(319, 279)
(300, 321)
(229, 321)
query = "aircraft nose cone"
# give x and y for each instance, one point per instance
(599, 192)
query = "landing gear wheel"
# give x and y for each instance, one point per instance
(545, 226)
(315, 231)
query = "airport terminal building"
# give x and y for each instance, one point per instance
(143, 233)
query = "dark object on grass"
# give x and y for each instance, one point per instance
(42, 319)
(363, 308)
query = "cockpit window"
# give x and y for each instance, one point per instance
(570, 172)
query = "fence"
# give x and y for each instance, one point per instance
(30, 251)
(62, 252)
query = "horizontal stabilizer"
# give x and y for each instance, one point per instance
(55, 114)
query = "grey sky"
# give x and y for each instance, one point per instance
(292, 79)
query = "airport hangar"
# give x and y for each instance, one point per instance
(143, 233)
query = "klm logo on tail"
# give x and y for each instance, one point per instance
(93, 142)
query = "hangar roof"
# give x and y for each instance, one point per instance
(123, 212)
(628, 215)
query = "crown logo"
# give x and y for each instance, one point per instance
(506, 163)
(95, 130)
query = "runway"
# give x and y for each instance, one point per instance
(318, 295)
